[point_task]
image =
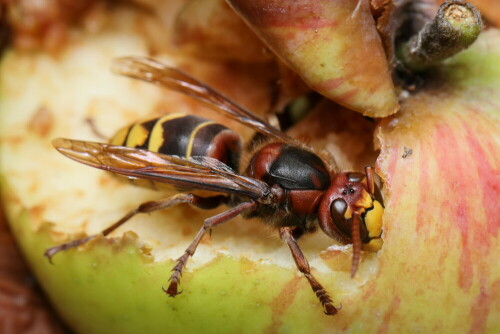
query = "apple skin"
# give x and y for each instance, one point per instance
(438, 270)
(448, 192)
(333, 45)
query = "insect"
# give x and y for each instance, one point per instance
(285, 183)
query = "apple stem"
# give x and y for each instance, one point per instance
(455, 27)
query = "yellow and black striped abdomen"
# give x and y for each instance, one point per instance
(183, 135)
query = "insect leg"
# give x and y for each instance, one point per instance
(208, 224)
(370, 179)
(146, 207)
(303, 266)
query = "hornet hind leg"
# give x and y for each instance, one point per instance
(146, 207)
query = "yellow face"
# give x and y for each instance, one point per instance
(373, 222)
(374, 211)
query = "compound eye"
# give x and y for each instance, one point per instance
(338, 210)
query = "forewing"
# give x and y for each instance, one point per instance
(150, 70)
(199, 173)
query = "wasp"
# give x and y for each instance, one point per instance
(285, 184)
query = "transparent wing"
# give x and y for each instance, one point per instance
(150, 70)
(200, 173)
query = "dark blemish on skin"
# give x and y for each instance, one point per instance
(407, 152)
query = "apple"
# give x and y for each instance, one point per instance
(311, 38)
(210, 29)
(439, 159)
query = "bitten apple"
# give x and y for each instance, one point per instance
(439, 159)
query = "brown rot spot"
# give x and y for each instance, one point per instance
(104, 180)
(187, 231)
(37, 211)
(42, 122)
(14, 140)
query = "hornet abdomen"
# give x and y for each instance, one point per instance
(184, 136)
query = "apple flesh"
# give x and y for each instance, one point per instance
(438, 268)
